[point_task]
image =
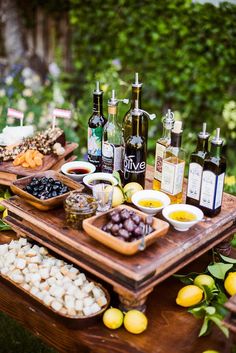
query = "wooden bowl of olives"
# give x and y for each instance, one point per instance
(121, 229)
(45, 190)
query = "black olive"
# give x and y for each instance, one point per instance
(136, 218)
(109, 226)
(123, 233)
(54, 194)
(124, 214)
(114, 229)
(115, 218)
(129, 225)
(104, 228)
(138, 231)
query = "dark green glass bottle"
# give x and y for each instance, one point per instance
(196, 168)
(95, 130)
(213, 175)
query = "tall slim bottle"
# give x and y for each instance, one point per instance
(196, 167)
(173, 166)
(95, 130)
(213, 178)
(112, 142)
(127, 120)
(161, 146)
(136, 149)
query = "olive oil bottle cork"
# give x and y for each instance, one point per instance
(213, 175)
(196, 167)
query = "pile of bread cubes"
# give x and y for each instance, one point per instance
(57, 284)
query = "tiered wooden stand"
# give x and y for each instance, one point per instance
(9, 173)
(134, 277)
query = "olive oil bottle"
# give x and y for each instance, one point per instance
(112, 142)
(213, 175)
(95, 130)
(136, 149)
(173, 166)
(127, 120)
(162, 143)
(196, 167)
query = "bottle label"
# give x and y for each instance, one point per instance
(160, 151)
(133, 166)
(172, 177)
(212, 189)
(95, 141)
(194, 181)
(112, 157)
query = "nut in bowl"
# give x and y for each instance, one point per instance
(98, 178)
(182, 216)
(76, 170)
(150, 201)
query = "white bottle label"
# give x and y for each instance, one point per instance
(194, 181)
(112, 157)
(160, 151)
(172, 176)
(212, 189)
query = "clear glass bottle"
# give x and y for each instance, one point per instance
(112, 142)
(127, 120)
(161, 145)
(95, 130)
(173, 166)
(196, 167)
(136, 149)
(213, 175)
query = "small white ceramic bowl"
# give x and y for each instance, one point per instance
(178, 225)
(77, 164)
(99, 178)
(153, 195)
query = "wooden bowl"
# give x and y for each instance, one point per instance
(93, 225)
(44, 205)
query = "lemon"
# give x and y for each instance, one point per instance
(230, 283)
(204, 280)
(118, 197)
(135, 321)
(2, 208)
(5, 213)
(113, 318)
(189, 295)
(130, 189)
(211, 351)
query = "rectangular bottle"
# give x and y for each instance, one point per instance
(95, 130)
(213, 175)
(161, 146)
(196, 167)
(173, 166)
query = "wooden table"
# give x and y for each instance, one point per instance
(171, 329)
(134, 277)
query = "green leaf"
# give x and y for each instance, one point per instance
(205, 327)
(186, 279)
(219, 269)
(210, 310)
(220, 325)
(228, 259)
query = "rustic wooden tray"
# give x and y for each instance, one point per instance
(93, 225)
(44, 205)
(48, 162)
(73, 322)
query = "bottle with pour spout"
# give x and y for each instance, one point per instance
(213, 175)
(112, 142)
(127, 120)
(136, 148)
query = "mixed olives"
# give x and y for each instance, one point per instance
(46, 188)
(127, 225)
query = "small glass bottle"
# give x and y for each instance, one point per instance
(213, 178)
(173, 166)
(196, 167)
(95, 130)
(162, 143)
(112, 142)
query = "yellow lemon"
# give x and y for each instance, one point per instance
(118, 196)
(113, 318)
(204, 280)
(189, 295)
(130, 189)
(5, 213)
(230, 283)
(135, 321)
(211, 351)
(2, 208)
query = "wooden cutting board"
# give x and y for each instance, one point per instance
(48, 162)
